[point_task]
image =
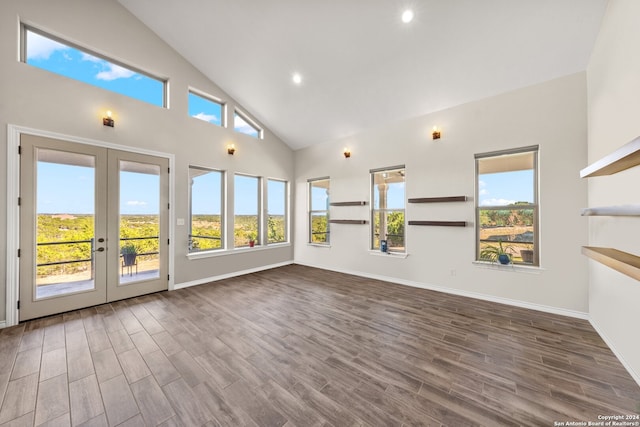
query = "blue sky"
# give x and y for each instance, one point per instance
(505, 188)
(58, 58)
(71, 189)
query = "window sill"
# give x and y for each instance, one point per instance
(399, 255)
(318, 245)
(530, 269)
(218, 253)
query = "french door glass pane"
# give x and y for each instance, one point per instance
(139, 221)
(65, 232)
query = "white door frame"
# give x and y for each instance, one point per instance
(14, 133)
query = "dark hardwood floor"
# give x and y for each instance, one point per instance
(298, 346)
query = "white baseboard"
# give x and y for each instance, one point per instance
(609, 343)
(228, 275)
(468, 294)
(3, 324)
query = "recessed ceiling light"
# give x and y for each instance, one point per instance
(407, 16)
(297, 78)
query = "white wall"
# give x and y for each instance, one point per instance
(551, 115)
(35, 98)
(613, 106)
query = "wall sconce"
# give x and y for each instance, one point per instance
(231, 149)
(108, 120)
(436, 133)
(347, 153)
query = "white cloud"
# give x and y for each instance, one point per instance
(483, 192)
(114, 72)
(91, 58)
(136, 203)
(39, 47)
(243, 127)
(496, 202)
(207, 117)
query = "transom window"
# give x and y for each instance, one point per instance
(387, 208)
(319, 210)
(507, 205)
(206, 203)
(243, 124)
(206, 108)
(60, 57)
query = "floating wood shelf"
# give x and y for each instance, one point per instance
(623, 262)
(623, 210)
(623, 158)
(348, 221)
(348, 203)
(440, 223)
(438, 199)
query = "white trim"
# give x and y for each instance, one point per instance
(229, 275)
(398, 255)
(452, 291)
(634, 374)
(517, 268)
(245, 249)
(13, 214)
(13, 226)
(3, 325)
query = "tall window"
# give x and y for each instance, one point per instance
(319, 210)
(51, 54)
(243, 124)
(206, 108)
(246, 228)
(206, 201)
(507, 205)
(276, 211)
(387, 208)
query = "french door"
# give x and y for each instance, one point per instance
(94, 225)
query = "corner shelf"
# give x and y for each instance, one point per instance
(623, 158)
(438, 199)
(440, 223)
(623, 210)
(623, 262)
(348, 221)
(348, 203)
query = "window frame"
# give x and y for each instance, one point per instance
(210, 98)
(244, 116)
(286, 211)
(259, 234)
(311, 212)
(535, 206)
(372, 213)
(223, 215)
(25, 28)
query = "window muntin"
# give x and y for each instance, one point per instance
(206, 108)
(57, 56)
(319, 231)
(388, 208)
(206, 213)
(276, 211)
(247, 210)
(507, 204)
(243, 124)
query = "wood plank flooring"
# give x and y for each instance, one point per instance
(297, 346)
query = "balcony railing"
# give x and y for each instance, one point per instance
(90, 242)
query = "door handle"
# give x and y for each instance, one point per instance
(100, 250)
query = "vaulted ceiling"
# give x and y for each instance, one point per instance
(360, 64)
